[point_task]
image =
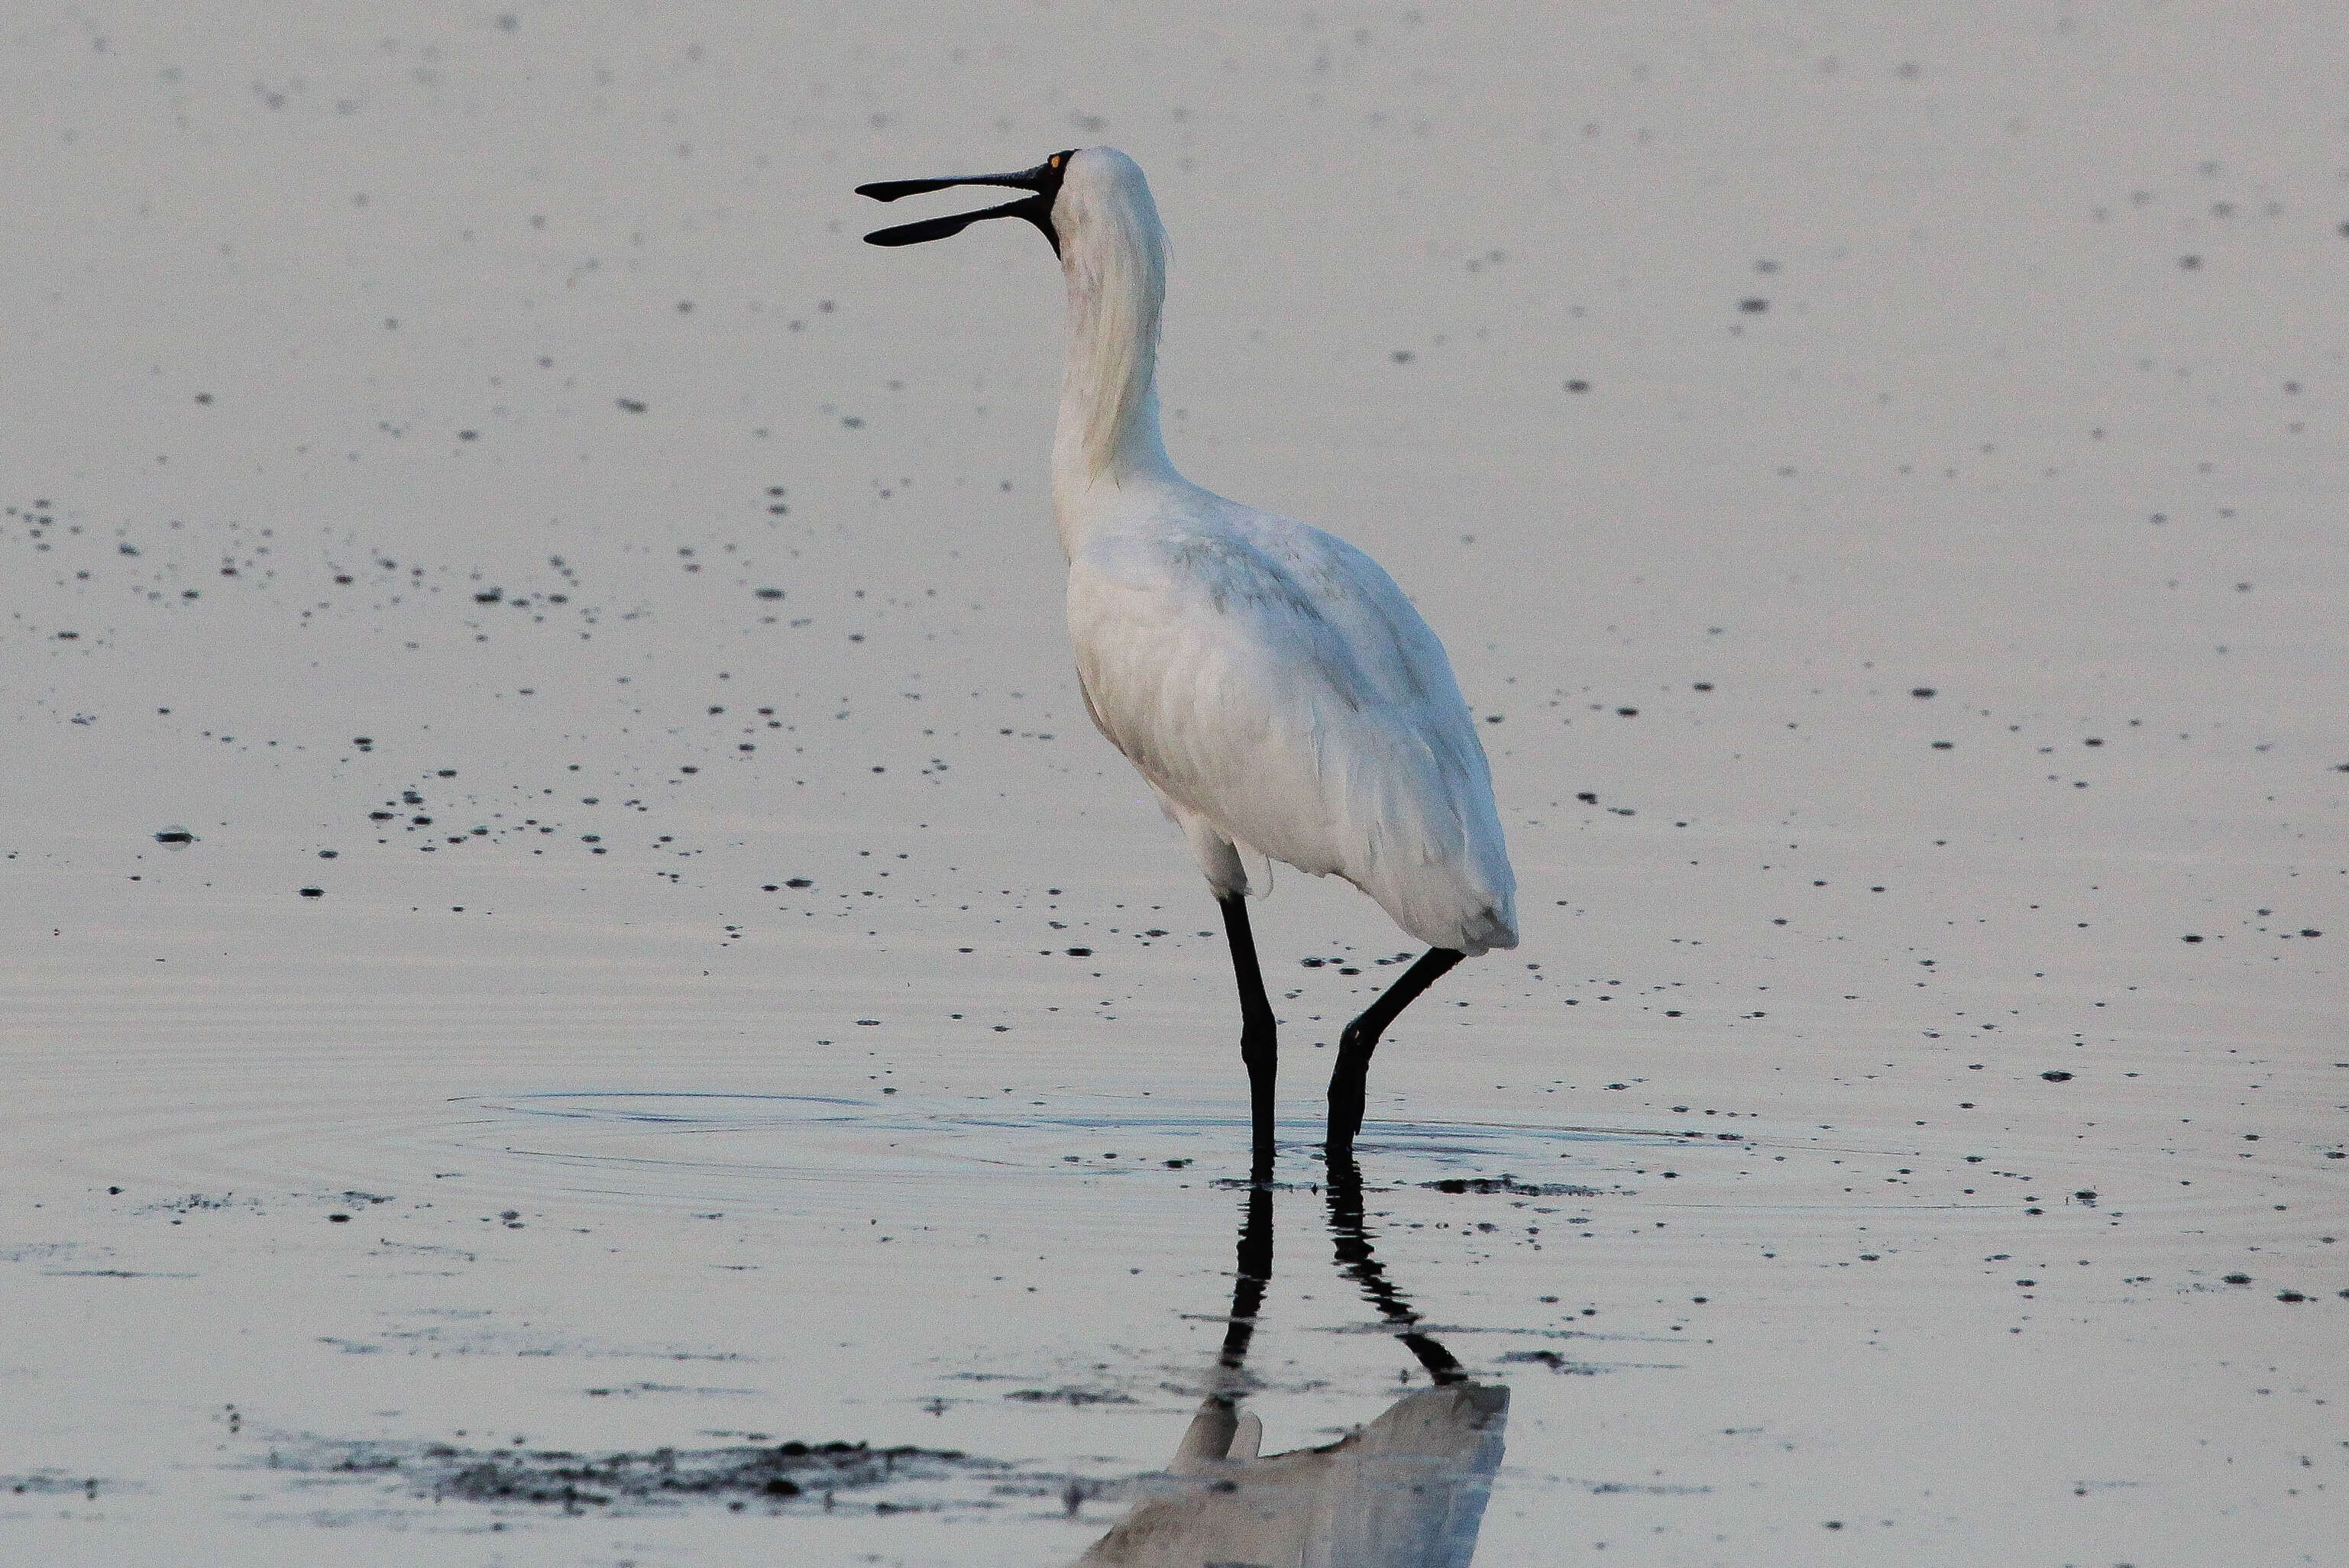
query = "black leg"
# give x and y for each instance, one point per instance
(1351, 1081)
(1259, 1044)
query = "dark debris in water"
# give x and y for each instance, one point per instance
(772, 1475)
(1556, 1363)
(1069, 1397)
(1512, 1186)
(52, 1483)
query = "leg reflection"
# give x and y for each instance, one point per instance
(1405, 1490)
(1252, 1275)
(1355, 1261)
(1220, 1432)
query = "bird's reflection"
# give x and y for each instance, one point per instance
(1406, 1490)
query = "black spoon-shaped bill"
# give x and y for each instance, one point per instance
(1043, 182)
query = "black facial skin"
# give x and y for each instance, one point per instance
(1043, 182)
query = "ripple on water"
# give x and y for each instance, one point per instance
(1787, 1192)
(791, 1151)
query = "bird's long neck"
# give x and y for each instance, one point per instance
(1107, 442)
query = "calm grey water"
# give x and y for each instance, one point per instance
(1877, 479)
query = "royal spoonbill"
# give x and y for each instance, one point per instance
(1277, 689)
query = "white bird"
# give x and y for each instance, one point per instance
(1280, 693)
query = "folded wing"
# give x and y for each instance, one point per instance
(1281, 693)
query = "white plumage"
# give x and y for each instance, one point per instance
(1270, 681)
(1282, 695)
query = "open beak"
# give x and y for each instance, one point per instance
(1043, 182)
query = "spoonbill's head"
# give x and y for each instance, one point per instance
(1061, 190)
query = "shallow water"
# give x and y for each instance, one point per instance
(743, 1004)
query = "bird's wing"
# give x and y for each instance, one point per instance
(1274, 680)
